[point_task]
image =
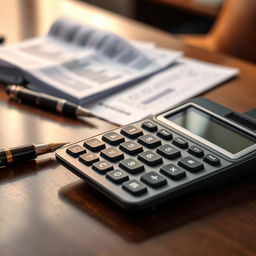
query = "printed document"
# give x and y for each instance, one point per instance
(185, 79)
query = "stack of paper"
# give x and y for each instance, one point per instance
(81, 63)
(117, 80)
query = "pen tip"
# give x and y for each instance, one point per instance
(55, 146)
(80, 111)
(46, 148)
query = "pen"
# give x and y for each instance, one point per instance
(25, 153)
(1, 39)
(45, 101)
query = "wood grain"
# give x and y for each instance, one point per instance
(46, 210)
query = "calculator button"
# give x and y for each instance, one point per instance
(153, 179)
(150, 158)
(131, 131)
(180, 142)
(212, 160)
(94, 144)
(117, 176)
(131, 165)
(168, 151)
(88, 158)
(102, 166)
(191, 164)
(113, 138)
(150, 126)
(112, 154)
(173, 172)
(76, 150)
(196, 151)
(134, 187)
(149, 141)
(131, 147)
(164, 134)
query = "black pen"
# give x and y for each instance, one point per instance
(25, 153)
(45, 101)
(2, 39)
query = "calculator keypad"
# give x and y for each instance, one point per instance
(153, 179)
(164, 134)
(191, 164)
(76, 150)
(196, 151)
(112, 154)
(94, 144)
(102, 166)
(131, 165)
(168, 151)
(142, 160)
(181, 143)
(150, 158)
(134, 187)
(149, 126)
(172, 171)
(131, 131)
(131, 147)
(149, 141)
(89, 158)
(117, 176)
(113, 138)
(212, 160)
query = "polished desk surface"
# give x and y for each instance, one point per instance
(46, 210)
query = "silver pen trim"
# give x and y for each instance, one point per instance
(60, 105)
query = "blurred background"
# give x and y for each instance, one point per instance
(226, 26)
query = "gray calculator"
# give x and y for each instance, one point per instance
(190, 147)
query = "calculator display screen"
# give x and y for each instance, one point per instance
(212, 129)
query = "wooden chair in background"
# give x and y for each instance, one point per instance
(234, 31)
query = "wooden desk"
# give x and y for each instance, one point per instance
(45, 210)
(191, 6)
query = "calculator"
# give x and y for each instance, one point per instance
(193, 146)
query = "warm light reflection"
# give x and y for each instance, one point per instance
(79, 12)
(98, 20)
(14, 125)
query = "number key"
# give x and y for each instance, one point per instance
(168, 151)
(131, 165)
(131, 147)
(117, 176)
(131, 131)
(112, 154)
(88, 158)
(149, 141)
(76, 150)
(102, 166)
(113, 138)
(94, 144)
(150, 158)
